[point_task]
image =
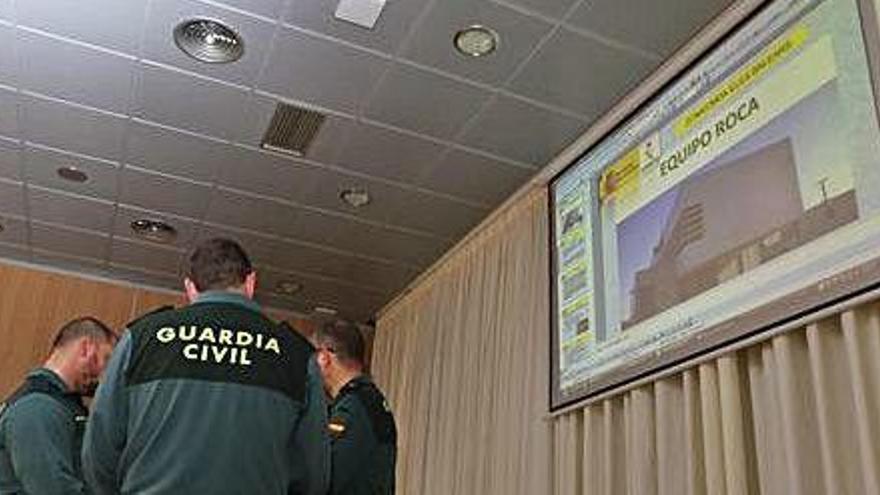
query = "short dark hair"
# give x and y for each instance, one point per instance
(344, 339)
(218, 264)
(86, 326)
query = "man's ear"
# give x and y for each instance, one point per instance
(250, 284)
(192, 292)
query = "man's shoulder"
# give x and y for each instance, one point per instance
(34, 407)
(367, 399)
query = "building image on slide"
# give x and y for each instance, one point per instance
(726, 220)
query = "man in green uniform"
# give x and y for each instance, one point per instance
(42, 423)
(206, 399)
(361, 426)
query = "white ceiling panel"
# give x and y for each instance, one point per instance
(74, 128)
(381, 152)
(325, 73)
(41, 168)
(10, 159)
(62, 208)
(432, 43)
(658, 27)
(195, 104)
(138, 275)
(11, 198)
(155, 191)
(126, 214)
(170, 151)
(408, 96)
(271, 9)
(74, 72)
(150, 257)
(521, 131)
(109, 23)
(14, 230)
(558, 75)
(8, 62)
(70, 241)
(251, 212)
(268, 174)
(79, 264)
(9, 109)
(555, 9)
(159, 44)
(475, 177)
(390, 30)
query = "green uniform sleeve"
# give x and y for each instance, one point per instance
(106, 431)
(41, 445)
(312, 446)
(350, 451)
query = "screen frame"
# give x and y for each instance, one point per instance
(838, 288)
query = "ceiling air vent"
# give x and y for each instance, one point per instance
(292, 129)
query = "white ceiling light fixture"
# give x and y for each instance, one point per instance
(154, 230)
(208, 41)
(354, 197)
(476, 41)
(72, 174)
(287, 287)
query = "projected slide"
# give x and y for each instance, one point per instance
(754, 179)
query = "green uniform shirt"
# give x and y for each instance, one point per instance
(207, 399)
(40, 438)
(364, 441)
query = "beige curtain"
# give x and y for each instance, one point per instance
(464, 361)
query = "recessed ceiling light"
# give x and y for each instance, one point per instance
(287, 288)
(208, 41)
(355, 197)
(476, 41)
(154, 230)
(72, 174)
(325, 310)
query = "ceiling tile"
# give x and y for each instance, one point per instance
(550, 8)
(239, 210)
(41, 167)
(72, 242)
(322, 291)
(109, 23)
(267, 300)
(11, 198)
(164, 193)
(192, 103)
(392, 27)
(66, 209)
(72, 127)
(318, 71)
(581, 74)
(14, 230)
(657, 27)
(522, 131)
(10, 159)
(15, 252)
(177, 153)
(394, 205)
(433, 42)
(268, 174)
(146, 256)
(186, 227)
(385, 153)
(159, 44)
(267, 8)
(74, 72)
(475, 177)
(6, 10)
(143, 277)
(408, 98)
(9, 124)
(368, 240)
(8, 62)
(76, 264)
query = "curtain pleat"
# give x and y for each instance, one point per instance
(464, 361)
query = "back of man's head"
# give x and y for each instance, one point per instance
(218, 264)
(84, 327)
(344, 339)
